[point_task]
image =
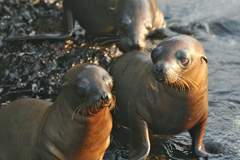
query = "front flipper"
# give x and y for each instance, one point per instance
(139, 138)
(197, 133)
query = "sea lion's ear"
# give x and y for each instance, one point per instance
(204, 58)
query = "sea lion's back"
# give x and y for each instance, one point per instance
(129, 60)
(19, 122)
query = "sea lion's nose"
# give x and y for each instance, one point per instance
(160, 72)
(137, 44)
(159, 68)
(137, 41)
(105, 97)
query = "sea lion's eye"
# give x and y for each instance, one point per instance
(183, 58)
(184, 61)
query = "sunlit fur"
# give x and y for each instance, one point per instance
(93, 109)
(88, 101)
(175, 79)
(165, 93)
(174, 72)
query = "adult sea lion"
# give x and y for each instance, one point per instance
(132, 20)
(163, 93)
(76, 126)
(125, 22)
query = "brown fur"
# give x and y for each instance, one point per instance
(76, 126)
(97, 131)
(132, 20)
(168, 107)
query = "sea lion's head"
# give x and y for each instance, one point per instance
(88, 89)
(137, 20)
(180, 62)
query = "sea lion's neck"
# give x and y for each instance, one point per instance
(60, 133)
(97, 137)
(64, 135)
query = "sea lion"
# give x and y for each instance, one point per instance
(132, 20)
(163, 93)
(76, 126)
(125, 22)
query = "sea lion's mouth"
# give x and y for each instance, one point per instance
(180, 84)
(166, 77)
(110, 103)
(160, 77)
(90, 110)
(168, 81)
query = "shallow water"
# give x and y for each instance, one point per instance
(221, 39)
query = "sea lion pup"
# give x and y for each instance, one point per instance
(76, 126)
(164, 93)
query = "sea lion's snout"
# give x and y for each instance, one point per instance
(132, 42)
(159, 67)
(160, 72)
(156, 54)
(137, 38)
(137, 43)
(106, 99)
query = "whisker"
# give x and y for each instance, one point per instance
(191, 82)
(74, 112)
(79, 110)
(185, 84)
(87, 110)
